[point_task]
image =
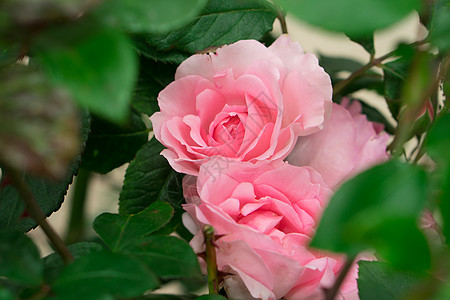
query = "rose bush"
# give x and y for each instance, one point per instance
(347, 145)
(267, 213)
(245, 101)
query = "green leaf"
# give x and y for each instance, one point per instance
(378, 209)
(166, 297)
(120, 231)
(440, 26)
(334, 65)
(8, 55)
(19, 258)
(167, 256)
(366, 41)
(54, 264)
(149, 178)
(354, 17)
(438, 138)
(150, 16)
(220, 23)
(95, 63)
(6, 294)
(29, 129)
(104, 274)
(110, 146)
(378, 280)
(395, 73)
(153, 78)
(49, 194)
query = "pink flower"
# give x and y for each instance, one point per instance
(267, 213)
(348, 144)
(245, 101)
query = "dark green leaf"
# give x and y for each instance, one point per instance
(375, 116)
(220, 23)
(95, 63)
(334, 65)
(103, 274)
(149, 177)
(167, 256)
(49, 194)
(110, 146)
(440, 26)
(120, 231)
(19, 258)
(54, 264)
(150, 16)
(378, 280)
(354, 17)
(153, 77)
(378, 209)
(395, 73)
(39, 124)
(366, 41)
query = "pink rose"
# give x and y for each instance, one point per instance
(245, 101)
(267, 213)
(348, 144)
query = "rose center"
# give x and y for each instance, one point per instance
(227, 130)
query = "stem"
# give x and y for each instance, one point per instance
(331, 293)
(211, 264)
(36, 213)
(282, 19)
(339, 87)
(76, 223)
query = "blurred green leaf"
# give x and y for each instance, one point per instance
(153, 78)
(101, 274)
(437, 145)
(49, 194)
(53, 263)
(5, 294)
(120, 231)
(166, 297)
(378, 280)
(19, 258)
(366, 41)
(95, 63)
(378, 209)
(8, 55)
(438, 138)
(167, 256)
(111, 145)
(354, 17)
(149, 178)
(39, 124)
(440, 26)
(150, 16)
(29, 13)
(220, 23)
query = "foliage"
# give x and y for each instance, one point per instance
(83, 100)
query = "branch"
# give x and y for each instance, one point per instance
(331, 293)
(36, 213)
(211, 264)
